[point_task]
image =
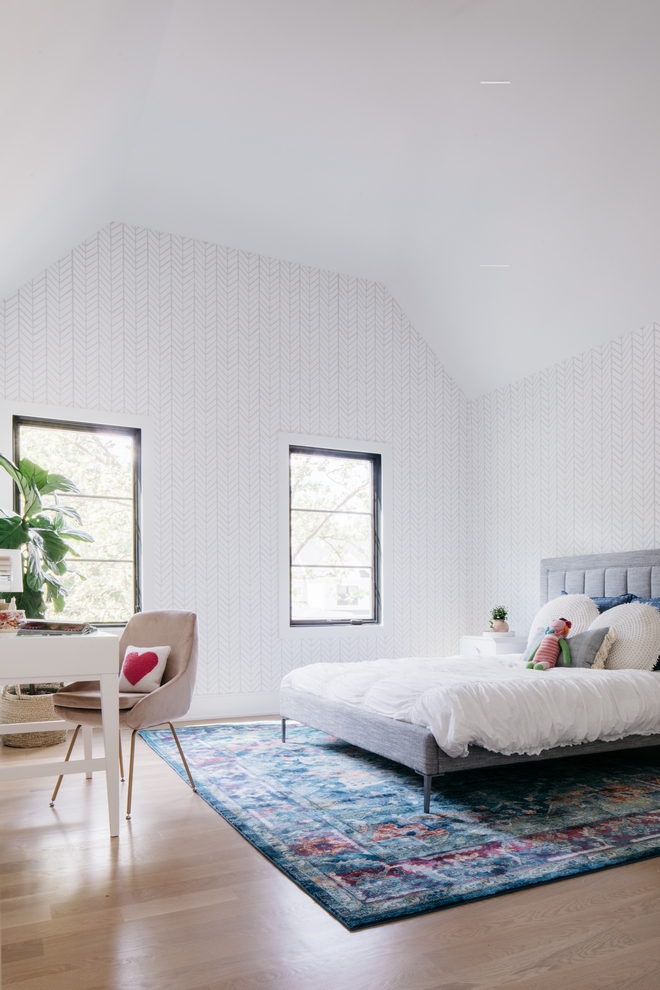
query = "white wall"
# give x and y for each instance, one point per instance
(223, 350)
(566, 461)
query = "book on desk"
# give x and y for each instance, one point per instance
(53, 627)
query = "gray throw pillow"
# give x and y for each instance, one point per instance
(586, 645)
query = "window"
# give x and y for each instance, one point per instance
(334, 537)
(104, 463)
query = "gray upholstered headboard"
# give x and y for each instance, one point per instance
(602, 574)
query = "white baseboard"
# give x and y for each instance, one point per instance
(229, 705)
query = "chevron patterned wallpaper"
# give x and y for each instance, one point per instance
(223, 350)
(566, 461)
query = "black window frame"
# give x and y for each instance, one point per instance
(377, 570)
(132, 431)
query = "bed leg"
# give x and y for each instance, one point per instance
(428, 780)
(283, 730)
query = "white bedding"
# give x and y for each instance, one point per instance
(494, 702)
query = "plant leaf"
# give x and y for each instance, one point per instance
(55, 587)
(30, 474)
(59, 483)
(46, 482)
(36, 538)
(33, 472)
(31, 500)
(64, 510)
(32, 602)
(78, 534)
(25, 483)
(54, 547)
(13, 532)
(12, 470)
(56, 593)
(35, 576)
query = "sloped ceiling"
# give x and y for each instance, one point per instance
(516, 224)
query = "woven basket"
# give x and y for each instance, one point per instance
(15, 706)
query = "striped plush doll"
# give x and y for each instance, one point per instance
(552, 646)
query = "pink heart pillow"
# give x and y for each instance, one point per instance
(143, 668)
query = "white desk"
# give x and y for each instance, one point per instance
(37, 659)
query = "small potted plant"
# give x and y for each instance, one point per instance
(44, 535)
(498, 621)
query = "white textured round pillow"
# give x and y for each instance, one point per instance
(637, 645)
(578, 609)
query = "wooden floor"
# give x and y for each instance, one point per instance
(181, 902)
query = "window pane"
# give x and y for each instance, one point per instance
(110, 522)
(332, 536)
(319, 482)
(101, 465)
(337, 593)
(105, 596)
(332, 539)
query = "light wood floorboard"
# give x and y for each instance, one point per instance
(182, 902)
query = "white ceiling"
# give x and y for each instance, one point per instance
(355, 135)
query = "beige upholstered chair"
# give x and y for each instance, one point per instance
(81, 702)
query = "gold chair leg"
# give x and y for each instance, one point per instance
(121, 761)
(68, 754)
(130, 775)
(183, 759)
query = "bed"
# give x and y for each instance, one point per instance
(415, 746)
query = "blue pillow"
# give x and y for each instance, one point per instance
(604, 604)
(655, 602)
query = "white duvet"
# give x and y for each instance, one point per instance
(494, 702)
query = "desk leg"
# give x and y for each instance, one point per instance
(110, 712)
(87, 746)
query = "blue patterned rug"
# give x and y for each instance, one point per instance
(348, 826)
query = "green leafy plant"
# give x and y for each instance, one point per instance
(44, 532)
(497, 613)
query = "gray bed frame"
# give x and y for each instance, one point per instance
(415, 747)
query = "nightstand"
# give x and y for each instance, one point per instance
(488, 646)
